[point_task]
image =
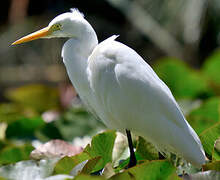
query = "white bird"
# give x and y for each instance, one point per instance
(119, 87)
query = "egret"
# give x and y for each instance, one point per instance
(119, 87)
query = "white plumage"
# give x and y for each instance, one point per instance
(119, 87)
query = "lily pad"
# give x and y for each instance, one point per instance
(66, 164)
(102, 145)
(150, 170)
(205, 116)
(208, 138)
(24, 127)
(12, 153)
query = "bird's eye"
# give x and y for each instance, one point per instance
(56, 27)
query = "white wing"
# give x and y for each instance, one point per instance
(131, 96)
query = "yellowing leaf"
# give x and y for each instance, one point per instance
(212, 166)
(38, 97)
(146, 150)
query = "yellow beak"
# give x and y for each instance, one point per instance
(36, 35)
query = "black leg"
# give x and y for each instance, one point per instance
(161, 156)
(133, 160)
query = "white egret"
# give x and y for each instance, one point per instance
(118, 86)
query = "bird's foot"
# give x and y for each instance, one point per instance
(132, 162)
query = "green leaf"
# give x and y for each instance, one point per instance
(208, 138)
(205, 116)
(48, 131)
(66, 164)
(124, 163)
(76, 123)
(216, 150)
(38, 97)
(153, 170)
(146, 150)
(183, 81)
(24, 127)
(89, 166)
(211, 68)
(102, 145)
(87, 177)
(212, 166)
(12, 154)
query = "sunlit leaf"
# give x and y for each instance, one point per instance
(205, 116)
(208, 138)
(89, 166)
(108, 171)
(59, 177)
(66, 164)
(120, 150)
(3, 127)
(183, 81)
(102, 145)
(150, 170)
(216, 150)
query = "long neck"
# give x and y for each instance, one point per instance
(75, 54)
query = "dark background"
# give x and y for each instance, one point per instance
(185, 29)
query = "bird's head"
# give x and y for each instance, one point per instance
(71, 24)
